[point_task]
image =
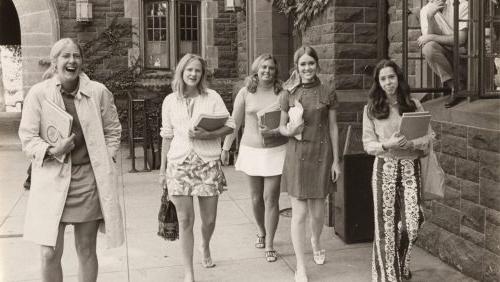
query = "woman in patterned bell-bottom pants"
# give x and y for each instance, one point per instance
(396, 173)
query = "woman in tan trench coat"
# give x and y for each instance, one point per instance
(83, 189)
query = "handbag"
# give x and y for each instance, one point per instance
(432, 174)
(168, 225)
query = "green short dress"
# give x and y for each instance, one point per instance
(308, 162)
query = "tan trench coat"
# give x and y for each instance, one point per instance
(50, 178)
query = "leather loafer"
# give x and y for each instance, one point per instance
(453, 101)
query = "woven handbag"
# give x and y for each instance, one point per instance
(168, 225)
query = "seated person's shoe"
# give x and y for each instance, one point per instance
(407, 276)
(453, 101)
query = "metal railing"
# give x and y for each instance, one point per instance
(480, 61)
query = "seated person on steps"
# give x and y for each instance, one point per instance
(437, 40)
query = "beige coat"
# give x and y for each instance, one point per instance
(50, 178)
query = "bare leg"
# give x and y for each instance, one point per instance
(51, 258)
(317, 215)
(208, 215)
(85, 243)
(185, 216)
(299, 212)
(271, 200)
(256, 193)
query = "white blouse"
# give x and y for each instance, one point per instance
(377, 131)
(177, 114)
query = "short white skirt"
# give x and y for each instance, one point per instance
(261, 161)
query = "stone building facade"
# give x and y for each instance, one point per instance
(463, 229)
(351, 36)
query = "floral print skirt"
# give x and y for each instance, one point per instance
(194, 177)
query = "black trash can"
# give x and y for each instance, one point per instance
(354, 221)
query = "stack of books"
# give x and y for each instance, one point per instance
(210, 122)
(415, 125)
(270, 118)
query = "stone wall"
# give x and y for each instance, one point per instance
(243, 64)
(221, 47)
(104, 11)
(345, 37)
(463, 229)
(225, 33)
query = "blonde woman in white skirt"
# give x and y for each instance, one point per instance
(262, 163)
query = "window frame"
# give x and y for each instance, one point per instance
(173, 31)
(178, 25)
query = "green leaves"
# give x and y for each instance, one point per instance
(301, 11)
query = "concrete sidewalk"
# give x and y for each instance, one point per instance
(147, 257)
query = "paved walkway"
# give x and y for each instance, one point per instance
(147, 257)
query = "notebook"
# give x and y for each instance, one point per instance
(415, 125)
(55, 124)
(211, 122)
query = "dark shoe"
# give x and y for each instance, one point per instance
(453, 101)
(407, 276)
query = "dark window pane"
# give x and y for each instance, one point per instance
(181, 22)
(150, 10)
(150, 22)
(156, 35)
(182, 9)
(150, 35)
(163, 35)
(163, 22)
(156, 22)
(188, 22)
(195, 35)
(183, 35)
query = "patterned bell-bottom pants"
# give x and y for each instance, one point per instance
(398, 215)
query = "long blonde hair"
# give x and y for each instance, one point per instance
(55, 51)
(252, 81)
(178, 84)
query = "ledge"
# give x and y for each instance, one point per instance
(482, 113)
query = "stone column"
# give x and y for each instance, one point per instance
(268, 33)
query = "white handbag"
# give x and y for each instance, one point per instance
(432, 174)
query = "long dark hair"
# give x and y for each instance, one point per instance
(378, 105)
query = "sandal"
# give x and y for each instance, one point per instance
(207, 262)
(271, 256)
(260, 243)
(319, 257)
